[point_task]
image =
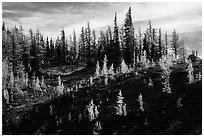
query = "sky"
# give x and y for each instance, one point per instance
(50, 17)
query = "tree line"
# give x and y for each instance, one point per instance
(35, 51)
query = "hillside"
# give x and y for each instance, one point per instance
(163, 114)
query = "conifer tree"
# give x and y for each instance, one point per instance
(15, 49)
(63, 45)
(166, 72)
(6, 69)
(109, 49)
(105, 69)
(166, 44)
(111, 71)
(92, 111)
(160, 53)
(97, 73)
(74, 47)
(182, 50)
(60, 87)
(190, 70)
(146, 47)
(52, 52)
(124, 67)
(128, 39)
(6, 95)
(88, 44)
(175, 43)
(11, 81)
(47, 56)
(120, 105)
(43, 85)
(37, 85)
(94, 44)
(101, 48)
(116, 49)
(140, 44)
(25, 50)
(58, 48)
(82, 45)
(34, 64)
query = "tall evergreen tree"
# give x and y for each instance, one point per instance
(74, 46)
(116, 44)
(153, 45)
(128, 39)
(109, 47)
(47, 55)
(182, 50)
(140, 45)
(175, 43)
(34, 62)
(52, 49)
(58, 48)
(146, 46)
(101, 48)
(94, 43)
(63, 45)
(160, 44)
(25, 52)
(166, 44)
(82, 45)
(88, 45)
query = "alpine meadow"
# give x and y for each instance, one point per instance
(101, 68)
